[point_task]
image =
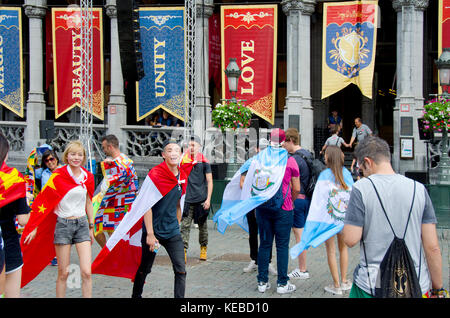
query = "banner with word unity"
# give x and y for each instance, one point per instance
(67, 60)
(11, 64)
(348, 47)
(164, 83)
(249, 34)
(444, 29)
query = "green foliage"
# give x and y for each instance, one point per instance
(436, 114)
(232, 115)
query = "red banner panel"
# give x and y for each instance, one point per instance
(249, 34)
(67, 60)
(444, 28)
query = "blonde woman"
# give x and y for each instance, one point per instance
(68, 194)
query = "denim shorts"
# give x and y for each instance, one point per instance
(301, 208)
(71, 231)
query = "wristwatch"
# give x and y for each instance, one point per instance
(91, 225)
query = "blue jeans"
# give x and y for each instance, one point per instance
(273, 224)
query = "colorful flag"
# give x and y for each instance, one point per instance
(116, 193)
(122, 254)
(264, 178)
(326, 212)
(12, 185)
(444, 29)
(188, 162)
(349, 42)
(11, 64)
(249, 34)
(40, 251)
(67, 59)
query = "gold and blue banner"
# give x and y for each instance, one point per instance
(162, 40)
(349, 42)
(11, 64)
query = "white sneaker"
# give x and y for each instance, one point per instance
(272, 269)
(333, 290)
(346, 286)
(296, 273)
(263, 286)
(288, 288)
(251, 267)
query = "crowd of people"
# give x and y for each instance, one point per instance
(62, 214)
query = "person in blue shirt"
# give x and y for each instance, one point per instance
(334, 120)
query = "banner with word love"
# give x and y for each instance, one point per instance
(11, 64)
(249, 34)
(444, 29)
(349, 42)
(67, 59)
(162, 40)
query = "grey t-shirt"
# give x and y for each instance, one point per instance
(361, 132)
(334, 141)
(364, 210)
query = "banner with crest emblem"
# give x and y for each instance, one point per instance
(249, 34)
(66, 29)
(349, 42)
(162, 40)
(444, 29)
(11, 64)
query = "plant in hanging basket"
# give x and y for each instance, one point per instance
(232, 115)
(436, 115)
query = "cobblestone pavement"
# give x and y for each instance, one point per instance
(220, 276)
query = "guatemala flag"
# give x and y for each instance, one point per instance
(265, 173)
(326, 212)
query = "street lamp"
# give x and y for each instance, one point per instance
(233, 73)
(443, 66)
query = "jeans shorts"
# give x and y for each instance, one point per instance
(301, 208)
(71, 231)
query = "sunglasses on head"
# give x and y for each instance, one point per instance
(50, 159)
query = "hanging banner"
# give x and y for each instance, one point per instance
(249, 34)
(164, 83)
(11, 64)
(67, 60)
(444, 29)
(215, 73)
(348, 48)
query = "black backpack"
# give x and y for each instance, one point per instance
(397, 277)
(315, 168)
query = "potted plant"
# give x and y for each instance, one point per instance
(232, 115)
(436, 115)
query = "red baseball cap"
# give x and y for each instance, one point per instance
(277, 135)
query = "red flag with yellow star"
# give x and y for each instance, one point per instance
(12, 185)
(40, 251)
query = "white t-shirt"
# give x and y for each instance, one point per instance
(74, 202)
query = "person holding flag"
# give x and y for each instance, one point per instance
(198, 196)
(61, 217)
(13, 204)
(121, 182)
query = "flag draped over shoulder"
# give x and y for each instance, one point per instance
(326, 212)
(264, 177)
(115, 194)
(12, 185)
(122, 254)
(188, 162)
(40, 251)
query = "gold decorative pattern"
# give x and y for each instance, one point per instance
(263, 107)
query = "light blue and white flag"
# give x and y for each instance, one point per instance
(264, 177)
(326, 212)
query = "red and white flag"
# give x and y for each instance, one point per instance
(122, 254)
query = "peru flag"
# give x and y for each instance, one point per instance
(122, 254)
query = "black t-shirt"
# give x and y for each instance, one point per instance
(7, 217)
(197, 187)
(165, 222)
(303, 168)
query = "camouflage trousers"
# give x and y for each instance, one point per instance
(186, 223)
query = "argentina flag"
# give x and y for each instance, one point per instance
(265, 173)
(326, 212)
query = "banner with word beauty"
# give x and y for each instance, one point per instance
(67, 59)
(249, 34)
(162, 40)
(11, 64)
(348, 47)
(444, 29)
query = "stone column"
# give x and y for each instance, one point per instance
(201, 114)
(117, 112)
(410, 100)
(298, 110)
(35, 11)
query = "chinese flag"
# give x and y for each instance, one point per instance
(40, 251)
(12, 185)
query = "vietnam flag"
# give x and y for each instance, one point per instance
(188, 161)
(12, 185)
(122, 254)
(40, 251)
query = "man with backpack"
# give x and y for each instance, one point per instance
(387, 210)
